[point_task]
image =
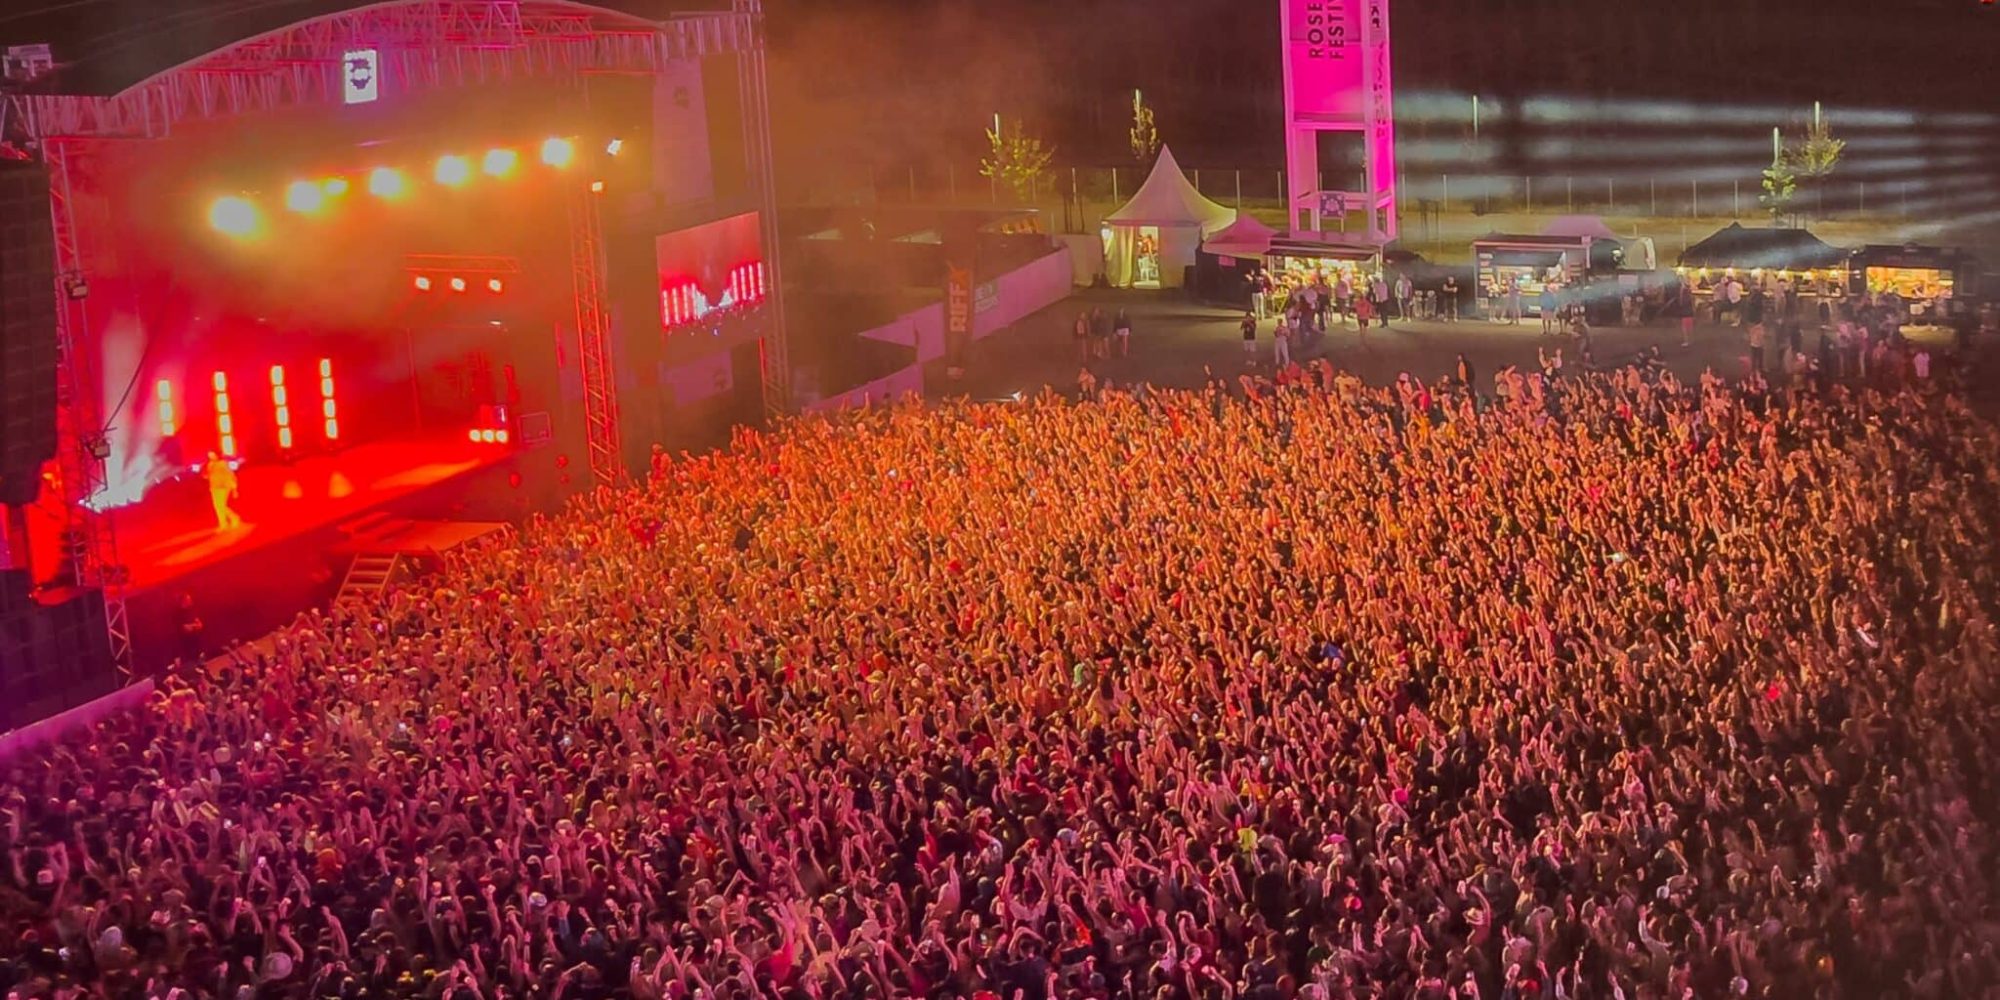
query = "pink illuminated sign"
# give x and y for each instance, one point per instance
(1323, 51)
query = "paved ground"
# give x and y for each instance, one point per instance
(1174, 339)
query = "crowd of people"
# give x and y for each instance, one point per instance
(1608, 687)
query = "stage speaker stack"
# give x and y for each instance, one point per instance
(54, 654)
(27, 331)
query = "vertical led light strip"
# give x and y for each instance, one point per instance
(326, 406)
(169, 423)
(281, 408)
(225, 422)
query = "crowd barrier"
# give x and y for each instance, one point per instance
(83, 716)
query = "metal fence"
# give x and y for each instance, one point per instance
(1090, 189)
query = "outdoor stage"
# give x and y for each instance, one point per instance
(172, 533)
(303, 524)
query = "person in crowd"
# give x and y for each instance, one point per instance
(1301, 688)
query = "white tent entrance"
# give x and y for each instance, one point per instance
(1151, 241)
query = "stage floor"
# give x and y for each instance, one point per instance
(172, 532)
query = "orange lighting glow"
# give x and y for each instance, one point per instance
(386, 182)
(558, 153)
(233, 216)
(334, 187)
(305, 196)
(453, 170)
(499, 162)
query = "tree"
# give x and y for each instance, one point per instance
(1816, 156)
(1781, 180)
(1145, 138)
(1018, 160)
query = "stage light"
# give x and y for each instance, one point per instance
(614, 147)
(233, 215)
(334, 187)
(493, 285)
(458, 284)
(486, 437)
(304, 196)
(281, 411)
(596, 187)
(165, 390)
(499, 162)
(387, 182)
(558, 153)
(472, 435)
(225, 425)
(501, 435)
(423, 283)
(453, 170)
(326, 399)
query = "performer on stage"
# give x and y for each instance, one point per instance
(221, 490)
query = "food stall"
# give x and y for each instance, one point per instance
(1531, 263)
(1295, 259)
(1807, 265)
(1929, 279)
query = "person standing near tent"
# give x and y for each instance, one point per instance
(1343, 297)
(1121, 327)
(1378, 289)
(1450, 297)
(1514, 300)
(1250, 337)
(1364, 310)
(1100, 333)
(1258, 287)
(1405, 292)
(1281, 341)
(1081, 335)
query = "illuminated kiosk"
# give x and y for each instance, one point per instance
(423, 259)
(1338, 79)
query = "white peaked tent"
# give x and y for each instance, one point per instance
(1169, 204)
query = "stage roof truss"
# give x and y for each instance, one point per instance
(422, 45)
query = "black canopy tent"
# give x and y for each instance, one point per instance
(1766, 249)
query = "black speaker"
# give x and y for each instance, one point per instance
(54, 655)
(27, 330)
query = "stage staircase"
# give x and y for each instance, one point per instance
(369, 576)
(384, 551)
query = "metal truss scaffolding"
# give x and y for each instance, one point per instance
(91, 539)
(593, 339)
(775, 365)
(423, 45)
